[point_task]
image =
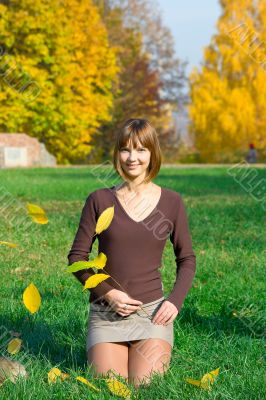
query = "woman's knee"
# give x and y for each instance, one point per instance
(146, 357)
(108, 359)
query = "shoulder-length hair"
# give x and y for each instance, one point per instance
(132, 131)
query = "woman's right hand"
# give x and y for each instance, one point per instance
(117, 299)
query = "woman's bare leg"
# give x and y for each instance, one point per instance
(107, 357)
(146, 356)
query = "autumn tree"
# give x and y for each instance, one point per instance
(228, 94)
(150, 78)
(57, 71)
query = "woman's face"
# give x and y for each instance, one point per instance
(134, 161)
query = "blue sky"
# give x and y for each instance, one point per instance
(192, 23)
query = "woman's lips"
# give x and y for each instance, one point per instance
(132, 166)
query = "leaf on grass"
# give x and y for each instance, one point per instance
(94, 280)
(32, 298)
(118, 388)
(86, 382)
(105, 219)
(209, 378)
(14, 346)
(10, 369)
(55, 373)
(193, 381)
(37, 214)
(64, 376)
(9, 244)
(99, 262)
(206, 380)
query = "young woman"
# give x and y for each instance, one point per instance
(130, 328)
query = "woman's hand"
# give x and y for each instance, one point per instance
(117, 300)
(166, 313)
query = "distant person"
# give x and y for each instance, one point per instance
(252, 154)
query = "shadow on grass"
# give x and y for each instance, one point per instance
(228, 322)
(54, 342)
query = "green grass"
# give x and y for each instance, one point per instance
(220, 324)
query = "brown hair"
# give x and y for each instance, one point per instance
(134, 130)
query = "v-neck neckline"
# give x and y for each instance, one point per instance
(127, 215)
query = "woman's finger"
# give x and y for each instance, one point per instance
(163, 316)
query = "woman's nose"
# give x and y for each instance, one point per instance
(132, 156)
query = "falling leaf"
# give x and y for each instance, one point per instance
(9, 244)
(37, 214)
(206, 380)
(32, 298)
(118, 388)
(86, 382)
(99, 262)
(14, 346)
(10, 369)
(105, 219)
(94, 280)
(55, 373)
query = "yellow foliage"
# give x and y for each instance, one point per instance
(228, 95)
(99, 262)
(94, 280)
(32, 298)
(14, 346)
(37, 214)
(9, 244)
(86, 382)
(118, 388)
(206, 380)
(104, 219)
(64, 71)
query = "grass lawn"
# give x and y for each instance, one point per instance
(220, 324)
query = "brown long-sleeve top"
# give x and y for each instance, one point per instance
(134, 249)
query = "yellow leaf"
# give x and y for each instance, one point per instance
(14, 346)
(104, 219)
(193, 381)
(206, 380)
(118, 388)
(9, 244)
(94, 280)
(99, 262)
(37, 214)
(86, 382)
(64, 376)
(32, 298)
(209, 378)
(53, 374)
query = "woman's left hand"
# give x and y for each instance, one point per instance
(166, 313)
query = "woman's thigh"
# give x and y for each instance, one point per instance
(108, 356)
(146, 356)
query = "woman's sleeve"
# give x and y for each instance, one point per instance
(185, 257)
(83, 243)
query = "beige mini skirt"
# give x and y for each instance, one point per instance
(106, 325)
